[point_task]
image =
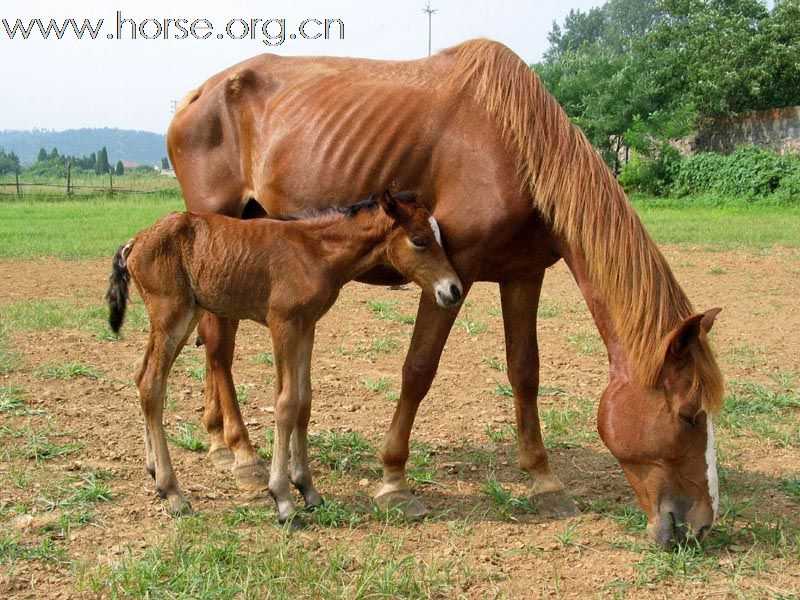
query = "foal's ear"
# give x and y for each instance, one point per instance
(389, 205)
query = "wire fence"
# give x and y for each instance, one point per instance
(68, 187)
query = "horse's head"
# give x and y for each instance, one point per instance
(663, 436)
(414, 248)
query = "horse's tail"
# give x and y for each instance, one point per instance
(117, 295)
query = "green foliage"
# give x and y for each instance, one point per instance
(119, 169)
(9, 163)
(652, 176)
(747, 172)
(102, 167)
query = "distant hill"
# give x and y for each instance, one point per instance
(122, 144)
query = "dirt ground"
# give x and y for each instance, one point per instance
(521, 555)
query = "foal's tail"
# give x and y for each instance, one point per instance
(117, 295)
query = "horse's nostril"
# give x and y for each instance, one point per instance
(455, 292)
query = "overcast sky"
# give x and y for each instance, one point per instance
(126, 83)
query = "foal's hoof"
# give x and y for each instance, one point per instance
(402, 501)
(222, 458)
(555, 504)
(294, 522)
(252, 475)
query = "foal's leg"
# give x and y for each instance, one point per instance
(230, 443)
(301, 472)
(430, 334)
(165, 342)
(520, 300)
(287, 341)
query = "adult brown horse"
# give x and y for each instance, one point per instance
(515, 187)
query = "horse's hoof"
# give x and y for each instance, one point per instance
(179, 506)
(295, 522)
(222, 458)
(555, 504)
(251, 476)
(402, 501)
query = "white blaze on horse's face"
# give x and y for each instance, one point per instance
(711, 466)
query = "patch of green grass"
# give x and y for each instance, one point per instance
(503, 389)
(586, 343)
(335, 514)
(470, 326)
(505, 503)
(377, 385)
(13, 403)
(201, 560)
(33, 228)
(263, 358)
(386, 344)
(746, 354)
(265, 450)
(249, 516)
(38, 445)
(12, 549)
(420, 469)
(67, 371)
(717, 271)
(495, 364)
(8, 360)
(389, 311)
(74, 498)
(188, 438)
(753, 408)
(195, 372)
(792, 486)
(706, 221)
(341, 451)
(499, 436)
(687, 562)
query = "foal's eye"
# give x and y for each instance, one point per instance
(419, 243)
(688, 419)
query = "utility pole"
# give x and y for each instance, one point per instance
(430, 12)
(173, 106)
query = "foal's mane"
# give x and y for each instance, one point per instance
(578, 195)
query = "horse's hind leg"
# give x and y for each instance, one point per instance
(230, 444)
(520, 300)
(163, 347)
(300, 471)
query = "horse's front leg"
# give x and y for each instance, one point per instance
(301, 472)
(287, 341)
(520, 300)
(430, 334)
(230, 443)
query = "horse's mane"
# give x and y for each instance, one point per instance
(579, 197)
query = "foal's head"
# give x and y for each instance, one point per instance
(414, 248)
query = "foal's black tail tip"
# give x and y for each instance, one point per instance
(118, 283)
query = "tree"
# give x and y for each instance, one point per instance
(120, 169)
(102, 167)
(42, 155)
(165, 163)
(9, 163)
(53, 154)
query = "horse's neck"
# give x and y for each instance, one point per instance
(349, 245)
(618, 360)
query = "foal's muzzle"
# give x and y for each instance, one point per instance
(448, 292)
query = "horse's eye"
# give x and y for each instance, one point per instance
(688, 419)
(419, 243)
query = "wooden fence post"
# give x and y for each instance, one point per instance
(69, 177)
(110, 184)
(16, 178)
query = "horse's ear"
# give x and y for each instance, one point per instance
(708, 318)
(389, 204)
(679, 340)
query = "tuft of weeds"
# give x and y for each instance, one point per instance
(13, 549)
(386, 345)
(335, 514)
(377, 385)
(265, 451)
(586, 343)
(67, 371)
(495, 364)
(499, 436)
(420, 469)
(8, 360)
(248, 516)
(195, 372)
(11, 401)
(686, 562)
(188, 438)
(341, 451)
(757, 409)
(263, 358)
(791, 485)
(389, 311)
(470, 326)
(37, 445)
(503, 389)
(504, 501)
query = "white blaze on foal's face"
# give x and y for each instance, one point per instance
(436, 232)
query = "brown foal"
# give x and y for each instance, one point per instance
(285, 274)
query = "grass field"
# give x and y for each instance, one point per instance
(94, 228)
(79, 515)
